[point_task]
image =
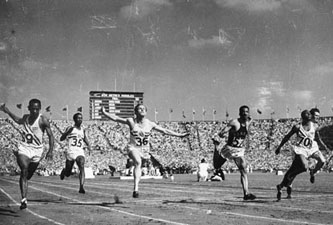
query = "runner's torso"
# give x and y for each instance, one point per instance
(305, 138)
(76, 139)
(140, 135)
(236, 138)
(32, 134)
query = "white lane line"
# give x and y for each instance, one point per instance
(200, 209)
(272, 206)
(14, 204)
(262, 217)
(115, 210)
(193, 208)
(28, 210)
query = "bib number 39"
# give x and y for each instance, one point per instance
(29, 138)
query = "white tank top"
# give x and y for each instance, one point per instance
(32, 134)
(140, 137)
(75, 139)
(305, 138)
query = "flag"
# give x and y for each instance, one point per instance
(214, 111)
(79, 109)
(258, 111)
(203, 111)
(184, 114)
(226, 113)
(287, 109)
(64, 109)
(19, 106)
(193, 111)
(48, 109)
(272, 113)
(171, 110)
(156, 112)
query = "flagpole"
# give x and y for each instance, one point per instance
(203, 114)
(184, 114)
(67, 113)
(193, 113)
(155, 115)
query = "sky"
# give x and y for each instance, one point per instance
(276, 56)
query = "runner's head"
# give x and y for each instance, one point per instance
(34, 106)
(315, 113)
(306, 115)
(140, 110)
(77, 117)
(244, 112)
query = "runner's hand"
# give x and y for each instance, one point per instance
(3, 107)
(49, 155)
(185, 134)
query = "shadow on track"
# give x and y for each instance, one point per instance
(8, 212)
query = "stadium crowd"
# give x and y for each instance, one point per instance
(109, 139)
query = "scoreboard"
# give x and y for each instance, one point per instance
(119, 103)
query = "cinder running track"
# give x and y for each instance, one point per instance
(184, 201)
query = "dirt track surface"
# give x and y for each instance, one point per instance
(184, 201)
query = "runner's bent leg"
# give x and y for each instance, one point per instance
(69, 167)
(80, 160)
(218, 160)
(241, 164)
(320, 161)
(136, 157)
(31, 169)
(298, 166)
(23, 162)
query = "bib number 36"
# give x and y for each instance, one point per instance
(141, 141)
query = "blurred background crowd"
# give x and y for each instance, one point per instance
(176, 155)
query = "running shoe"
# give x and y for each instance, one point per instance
(289, 189)
(312, 178)
(222, 175)
(135, 194)
(82, 191)
(24, 203)
(249, 197)
(62, 174)
(278, 196)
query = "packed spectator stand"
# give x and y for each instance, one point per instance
(109, 139)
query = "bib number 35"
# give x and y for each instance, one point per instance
(76, 142)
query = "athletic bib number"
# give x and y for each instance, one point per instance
(307, 142)
(237, 142)
(141, 141)
(29, 138)
(76, 142)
